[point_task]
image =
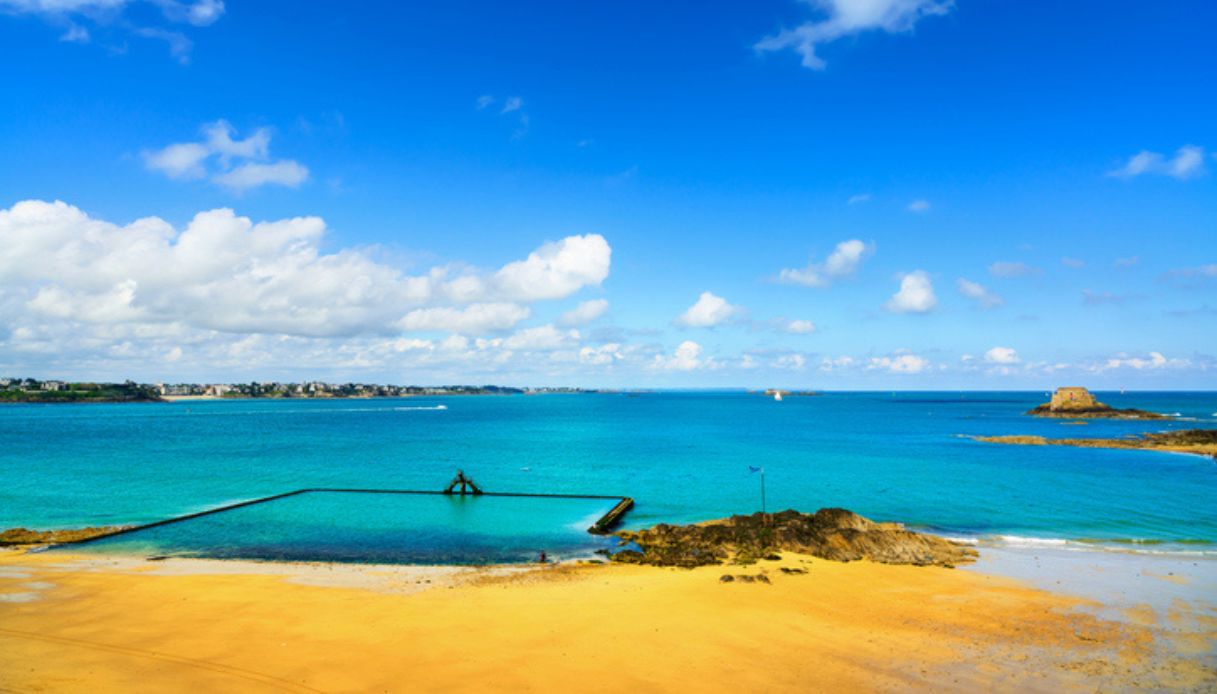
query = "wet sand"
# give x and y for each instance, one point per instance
(73, 623)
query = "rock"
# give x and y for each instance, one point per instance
(831, 533)
(1198, 441)
(726, 578)
(25, 536)
(792, 570)
(1075, 402)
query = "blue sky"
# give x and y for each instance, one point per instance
(973, 194)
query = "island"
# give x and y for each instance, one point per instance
(1078, 403)
(830, 533)
(1198, 441)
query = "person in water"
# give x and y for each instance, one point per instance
(543, 559)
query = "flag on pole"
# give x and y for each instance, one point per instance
(756, 469)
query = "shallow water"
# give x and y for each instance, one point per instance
(683, 456)
(376, 528)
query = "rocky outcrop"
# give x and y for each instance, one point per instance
(23, 536)
(830, 533)
(1078, 403)
(1199, 441)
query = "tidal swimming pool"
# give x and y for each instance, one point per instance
(376, 528)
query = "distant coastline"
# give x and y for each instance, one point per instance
(33, 391)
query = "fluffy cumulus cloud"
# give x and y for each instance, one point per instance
(687, 357)
(80, 19)
(585, 312)
(1188, 162)
(556, 270)
(227, 291)
(842, 18)
(841, 263)
(978, 293)
(708, 311)
(916, 294)
(899, 364)
(238, 164)
(1002, 355)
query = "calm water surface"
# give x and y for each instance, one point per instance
(682, 456)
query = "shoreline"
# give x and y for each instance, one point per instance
(74, 621)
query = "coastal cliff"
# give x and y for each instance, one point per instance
(1078, 403)
(830, 533)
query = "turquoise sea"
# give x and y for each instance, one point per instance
(683, 456)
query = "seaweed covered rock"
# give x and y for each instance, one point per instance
(830, 533)
(16, 537)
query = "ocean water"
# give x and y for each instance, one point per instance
(683, 456)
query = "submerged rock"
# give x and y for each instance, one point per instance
(830, 533)
(1078, 403)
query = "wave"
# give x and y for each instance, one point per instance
(420, 408)
(1182, 547)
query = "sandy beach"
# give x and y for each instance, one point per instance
(74, 622)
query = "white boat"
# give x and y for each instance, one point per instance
(777, 395)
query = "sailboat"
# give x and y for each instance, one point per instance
(777, 395)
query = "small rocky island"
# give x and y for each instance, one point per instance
(1078, 403)
(830, 533)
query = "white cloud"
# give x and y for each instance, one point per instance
(858, 198)
(916, 294)
(240, 163)
(252, 175)
(842, 262)
(1011, 270)
(978, 293)
(1002, 355)
(708, 311)
(794, 362)
(184, 160)
(1188, 162)
(485, 101)
(557, 270)
(108, 15)
(1073, 263)
(513, 103)
(899, 364)
(475, 318)
(227, 274)
(919, 205)
(542, 338)
(841, 18)
(800, 327)
(1155, 360)
(604, 354)
(833, 364)
(687, 357)
(585, 312)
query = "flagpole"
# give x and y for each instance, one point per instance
(763, 491)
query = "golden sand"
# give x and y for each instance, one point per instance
(99, 625)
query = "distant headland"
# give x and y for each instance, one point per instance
(30, 390)
(1077, 403)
